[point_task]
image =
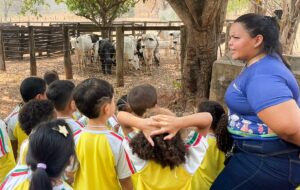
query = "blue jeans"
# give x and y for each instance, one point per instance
(261, 165)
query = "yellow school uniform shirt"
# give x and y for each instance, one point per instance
(23, 152)
(102, 160)
(151, 176)
(19, 179)
(212, 165)
(14, 130)
(7, 160)
(20, 135)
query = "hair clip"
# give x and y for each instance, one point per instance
(62, 130)
(41, 165)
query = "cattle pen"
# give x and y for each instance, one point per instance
(43, 40)
(38, 42)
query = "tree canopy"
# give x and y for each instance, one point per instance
(100, 12)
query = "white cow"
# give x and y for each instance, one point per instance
(83, 47)
(130, 57)
(149, 44)
(175, 45)
(175, 36)
(165, 41)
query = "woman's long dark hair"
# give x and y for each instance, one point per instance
(165, 152)
(49, 145)
(219, 124)
(269, 28)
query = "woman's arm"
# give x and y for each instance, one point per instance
(284, 120)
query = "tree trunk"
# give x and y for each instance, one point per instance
(204, 23)
(289, 24)
(5, 10)
(201, 52)
(2, 56)
(104, 23)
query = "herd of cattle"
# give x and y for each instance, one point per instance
(138, 52)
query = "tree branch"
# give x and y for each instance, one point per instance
(116, 4)
(181, 10)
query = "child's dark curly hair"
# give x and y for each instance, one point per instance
(165, 152)
(35, 112)
(219, 124)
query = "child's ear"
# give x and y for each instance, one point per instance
(73, 105)
(41, 96)
(106, 108)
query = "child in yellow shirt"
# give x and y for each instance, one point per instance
(7, 160)
(103, 162)
(30, 88)
(170, 161)
(31, 114)
(60, 93)
(220, 142)
(51, 147)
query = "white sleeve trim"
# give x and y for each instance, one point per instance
(137, 162)
(195, 155)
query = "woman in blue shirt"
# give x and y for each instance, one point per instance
(264, 114)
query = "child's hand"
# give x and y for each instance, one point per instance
(168, 124)
(148, 126)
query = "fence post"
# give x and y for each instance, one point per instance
(227, 38)
(145, 25)
(33, 70)
(119, 55)
(77, 30)
(2, 60)
(67, 57)
(182, 51)
(22, 45)
(48, 43)
(133, 31)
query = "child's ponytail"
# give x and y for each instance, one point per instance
(219, 124)
(40, 180)
(50, 148)
(224, 140)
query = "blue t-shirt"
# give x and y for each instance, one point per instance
(266, 83)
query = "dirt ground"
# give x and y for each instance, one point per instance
(166, 79)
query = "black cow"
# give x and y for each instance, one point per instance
(107, 53)
(139, 52)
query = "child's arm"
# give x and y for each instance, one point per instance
(14, 146)
(126, 183)
(146, 125)
(172, 124)
(127, 130)
(70, 170)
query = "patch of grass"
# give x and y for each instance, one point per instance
(177, 84)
